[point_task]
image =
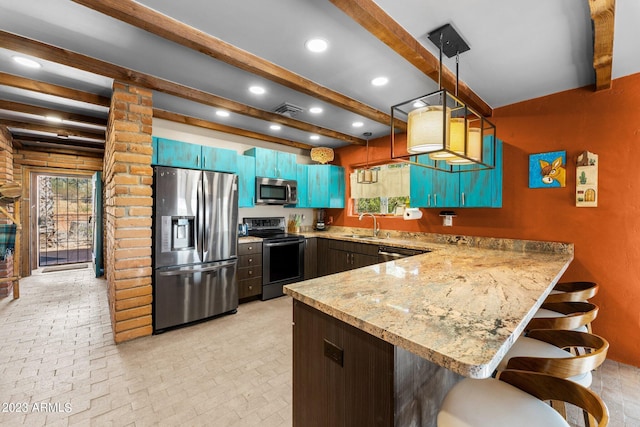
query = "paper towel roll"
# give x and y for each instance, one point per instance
(412, 213)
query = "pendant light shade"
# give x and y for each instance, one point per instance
(367, 175)
(427, 128)
(455, 142)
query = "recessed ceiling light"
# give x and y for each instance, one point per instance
(380, 81)
(53, 119)
(357, 124)
(314, 137)
(258, 90)
(316, 45)
(315, 110)
(222, 113)
(275, 127)
(27, 62)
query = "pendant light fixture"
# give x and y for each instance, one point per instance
(442, 127)
(367, 175)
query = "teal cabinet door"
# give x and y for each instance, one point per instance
(336, 187)
(246, 181)
(179, 154)
(303, 186)
(431, 188)
(219, 159)
(483, 188)
(326, 186)
(154, 146)
(273, 164)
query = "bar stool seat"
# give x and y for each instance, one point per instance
(517, 398)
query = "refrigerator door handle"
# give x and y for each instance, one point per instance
(199, 209)
(181, 272)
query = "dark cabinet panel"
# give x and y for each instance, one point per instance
(335, 256)
(310, 258)
(342, 376)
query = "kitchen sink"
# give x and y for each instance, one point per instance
(362, 236)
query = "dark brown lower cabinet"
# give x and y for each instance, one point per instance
(342, 376)
(345, 377)
(310, 258)
(336, 256)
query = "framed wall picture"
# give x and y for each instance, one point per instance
(548, 170)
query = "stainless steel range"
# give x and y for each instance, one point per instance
(282, 254)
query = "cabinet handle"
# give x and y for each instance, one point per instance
(197, 160)
(250, 287)
(250, 260)
(204, 161)
(250, 248)
(348, 257)
(250, 272)
(463, 198)
(435, 199)
(428, 199)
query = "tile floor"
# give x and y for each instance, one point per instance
(59, 366)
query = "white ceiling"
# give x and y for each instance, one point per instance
(519, 50)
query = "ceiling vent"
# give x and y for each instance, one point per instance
(288, 110)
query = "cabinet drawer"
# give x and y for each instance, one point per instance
(249, 248)
(249, 287)
(251, 260)
(249, 272)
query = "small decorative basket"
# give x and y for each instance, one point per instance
(322, 155)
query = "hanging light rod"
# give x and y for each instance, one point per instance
(443, 133)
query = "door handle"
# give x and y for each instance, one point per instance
(181, 272)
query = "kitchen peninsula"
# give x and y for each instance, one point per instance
(381, 345)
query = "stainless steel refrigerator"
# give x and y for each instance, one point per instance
(195, 245)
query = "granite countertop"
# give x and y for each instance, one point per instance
(460, 306)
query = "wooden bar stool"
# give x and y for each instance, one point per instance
(548, 351)
(572, 291)
(571, 315)
(517, 398)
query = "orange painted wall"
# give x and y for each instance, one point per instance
(606, 238)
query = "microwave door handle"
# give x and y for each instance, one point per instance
(288, 193)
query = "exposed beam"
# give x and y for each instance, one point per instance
(375, 20)
(42, 111)
(59, 130)
(29, 140)
(60, 148)
(166, 27)
(76, 60)
(51, 89)
(194, 121)
(603, 17)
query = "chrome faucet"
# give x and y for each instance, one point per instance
(376, 229)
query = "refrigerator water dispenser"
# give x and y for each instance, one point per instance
(178, 233)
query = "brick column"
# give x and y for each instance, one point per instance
(128, 208)
(6, 175)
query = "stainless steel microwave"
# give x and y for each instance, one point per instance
(271, 191)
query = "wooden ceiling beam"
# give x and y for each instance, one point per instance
(29, 140)
(178, 32)
(375, 20)
(194, 121)
(58, 130)
(51, 89)
(42, 111)
(603, 17)
(76, 60)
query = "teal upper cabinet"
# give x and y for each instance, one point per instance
(246, 181)
(273, 164)
(430, 188)
(179, 154)
(154, 146)
(325, 186)
(219, 159)
(167, 152)
(302, 178)
(483, 188)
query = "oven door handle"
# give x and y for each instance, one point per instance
(180, 272)
(275, 244)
